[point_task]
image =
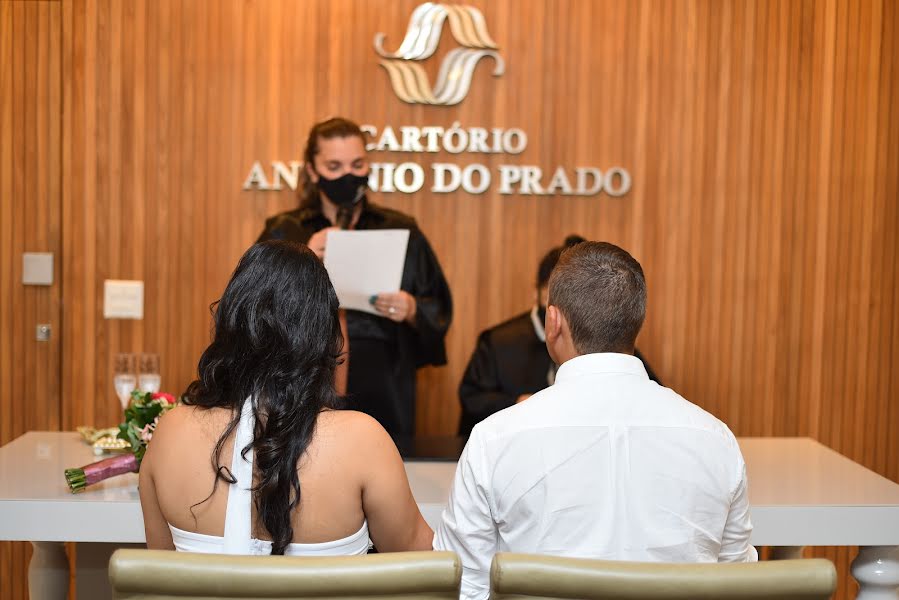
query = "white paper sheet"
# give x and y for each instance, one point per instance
(362, 264)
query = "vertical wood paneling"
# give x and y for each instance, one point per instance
(763, 140)
(30, 221)
(761, 136)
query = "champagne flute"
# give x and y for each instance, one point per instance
(149, 379)
(124, 379)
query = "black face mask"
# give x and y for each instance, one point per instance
(347, 190)
(541, 313)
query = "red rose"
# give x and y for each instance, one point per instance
(167, 397)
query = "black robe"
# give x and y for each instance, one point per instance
(509, 360)
(384, 355)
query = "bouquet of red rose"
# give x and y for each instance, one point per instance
(141, 417)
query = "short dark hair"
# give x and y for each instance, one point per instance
(601, 291)
(549, 260)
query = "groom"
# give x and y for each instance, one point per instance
(604, 463)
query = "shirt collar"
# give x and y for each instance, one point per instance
(601, 364)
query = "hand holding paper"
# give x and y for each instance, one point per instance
(397, 306)
(319, 240)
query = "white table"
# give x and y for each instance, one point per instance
(801, 492)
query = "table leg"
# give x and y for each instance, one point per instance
(92, 569)
(48, 572)
(876, 568)
(786, 552)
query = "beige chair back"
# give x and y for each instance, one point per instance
(521, 576)
(159, 575)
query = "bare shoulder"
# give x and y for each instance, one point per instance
(352, 429)
(186, 421)
(173, 421)
(349, 422)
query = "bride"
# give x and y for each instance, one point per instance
(257, 460)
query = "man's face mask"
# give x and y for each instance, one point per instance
(346, 190)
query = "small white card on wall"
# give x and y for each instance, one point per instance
(37, 268)
(123, 299)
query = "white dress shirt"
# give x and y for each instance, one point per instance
(604, 464)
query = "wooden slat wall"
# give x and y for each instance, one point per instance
(758, 134)
(30, 128)
(762, 137)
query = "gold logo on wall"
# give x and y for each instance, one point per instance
(409, 80)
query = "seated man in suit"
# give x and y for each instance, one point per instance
(510, 361)
(604, 463)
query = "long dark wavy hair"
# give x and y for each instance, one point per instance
(336, 127)
(277, 339)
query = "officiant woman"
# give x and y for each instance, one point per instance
(408, 331)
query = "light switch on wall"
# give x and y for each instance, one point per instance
(123, 299)
(37, 268)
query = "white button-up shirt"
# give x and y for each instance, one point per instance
(603, 464)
